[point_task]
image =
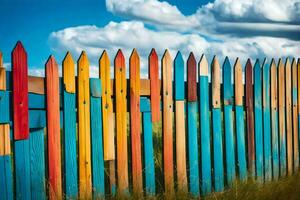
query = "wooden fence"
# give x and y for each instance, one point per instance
(212, 133)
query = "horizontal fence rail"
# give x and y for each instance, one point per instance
(81, 137)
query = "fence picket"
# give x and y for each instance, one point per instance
(228, 120)
(266, 121)
(69, 128)
(135, 122)
(192, 110)
(167, 123)
(53, 129)
(274, 119)
(288, 111)
(108, 119)
(84, 140)
(154, 85)
(180, 122)
(281, 114)
(250, 117)
(239, 120)
(204, 126)
(295, 115)
(258, 121)
(96, 139)
(121, 122)
(6, 183)
(216, 127)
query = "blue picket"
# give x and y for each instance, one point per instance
(258, 126)
(70, 147)
(267, 122)
(22, 169)
(37, 164)
(148, 148)
(228, 119)
(6, 178)
(97, 140)
(205, 133)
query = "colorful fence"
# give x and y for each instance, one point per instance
(213, 133)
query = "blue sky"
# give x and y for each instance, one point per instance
(235, 28)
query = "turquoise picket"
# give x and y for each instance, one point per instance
(37, 164)
(258, 126)
(22, 169)
(6, 178)
(204, 126)
(216, 126)
(178, 77)
(192, 134)
(266, 121)
(70, 147)
(228, 119)
(274, 120)
(148, 148)
(97, 140)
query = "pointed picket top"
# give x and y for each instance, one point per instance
(203, 66)
(83, 61)
(166, 72)
(287, 63)
(273, 63)
(227, 86)
(192, 78)
(166, 55)
(257, 65)
(134, 57)
(280, 63)
(69, 73)
(179, 77)
(19, 49)
(248, 66)
(238, 82)
(154, 85)
(51, 63)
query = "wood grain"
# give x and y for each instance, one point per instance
(121, 122)
(238, 83)
(20, 92)
(281, 115)
(154, 85)
(108, 134)
(53, 129)
(191, 78)
(250, 117)
(135, 122)
(295, 115)
(69, 73)
(83, 96)
(167, 123)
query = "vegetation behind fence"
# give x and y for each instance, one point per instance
(82, 137)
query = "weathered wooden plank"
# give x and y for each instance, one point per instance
(228, 120)
(239, 120)
(274, 120)
(250, 117)
(121, 122)
(192, 135)
(69, 130)
(149, 155)
(53, 129)
(289, 119)
(281, 113)
(22, 169)
(204, 126)
(20, 92)
(216, 127)
(192, 78)
(266, 121)
(167, 123)
(83, 95)
(6, 178)
(37, 164)
(154, 85)
(108, 136)
(258, 126)
(295, 115)
(135, 123)
(96, 140)
(180, 122)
